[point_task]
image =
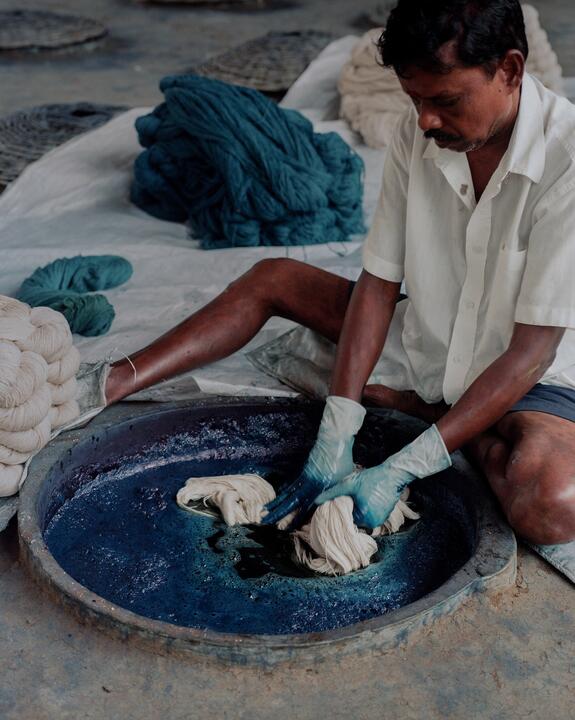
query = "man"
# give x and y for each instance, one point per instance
(477, 216)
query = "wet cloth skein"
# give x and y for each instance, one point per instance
(330, 544)
(243, 171)
(62, 285)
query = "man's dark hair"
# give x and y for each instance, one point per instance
(483, 31)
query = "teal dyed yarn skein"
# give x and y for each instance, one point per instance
(62, 285)
(243, 171)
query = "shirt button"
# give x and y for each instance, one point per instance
(469, 304)
(477, 249)
(457, 359)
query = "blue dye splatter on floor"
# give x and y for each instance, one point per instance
(117, 529)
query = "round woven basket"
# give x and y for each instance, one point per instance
(270, 63)
(28, 134)
(218, 4)
(36, 30)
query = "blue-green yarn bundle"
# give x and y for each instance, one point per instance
(62, 284)
(243, 171)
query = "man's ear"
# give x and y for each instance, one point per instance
(512, 67)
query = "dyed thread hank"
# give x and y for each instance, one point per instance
(330, 544)
(243, 171)
(239, 498)
(62, 285)
(38, 365)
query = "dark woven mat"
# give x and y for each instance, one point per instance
(36, 29)
(28, 134)
(270, 63)
(219, 4)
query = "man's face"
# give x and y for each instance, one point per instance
(463, 109)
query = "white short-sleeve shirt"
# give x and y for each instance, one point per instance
(472, 269)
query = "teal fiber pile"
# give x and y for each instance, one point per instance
(63, 283)
(242, 171)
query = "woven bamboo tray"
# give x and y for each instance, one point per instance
(218, 4)
(38, 30)
(270, 63)
(28, 134)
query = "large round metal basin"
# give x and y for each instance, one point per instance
(101, 530)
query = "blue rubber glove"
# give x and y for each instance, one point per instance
(329, 461)
(375, 491)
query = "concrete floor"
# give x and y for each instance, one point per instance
(507, 656)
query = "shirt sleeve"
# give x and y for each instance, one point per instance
(547, 293)
(384, 247)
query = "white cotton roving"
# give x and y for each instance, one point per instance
(239, 498)
(372, 99)
(38, 365)
(542, 61)
(330, 544)
(23, 373)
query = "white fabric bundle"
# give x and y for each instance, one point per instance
(239, 498)
(542, 61)
(329, 544)
(38, 365)
(372, 99)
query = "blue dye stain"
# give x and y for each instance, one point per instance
(121, 534)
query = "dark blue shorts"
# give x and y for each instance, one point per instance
(550, 399)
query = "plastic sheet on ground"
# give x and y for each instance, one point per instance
(75, 200)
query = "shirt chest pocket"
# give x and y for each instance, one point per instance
(503, 290)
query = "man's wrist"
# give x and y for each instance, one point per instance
(426, 455)
(342, 417)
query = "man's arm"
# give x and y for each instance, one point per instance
(363, 334)
(375, 491)
(530, 352)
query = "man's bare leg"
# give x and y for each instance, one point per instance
(277, 287)
(528, 459)
(407, 401)
(529, 462)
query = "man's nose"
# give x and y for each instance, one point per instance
(429, 119)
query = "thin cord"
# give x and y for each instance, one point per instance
(126, 357)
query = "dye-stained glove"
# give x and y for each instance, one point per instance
(375, 491)
(329, 461)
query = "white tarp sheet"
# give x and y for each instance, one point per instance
(75, 200)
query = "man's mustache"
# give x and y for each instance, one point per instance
(441, 136)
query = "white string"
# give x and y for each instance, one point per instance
(126, 357)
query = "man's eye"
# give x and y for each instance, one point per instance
(447, 103)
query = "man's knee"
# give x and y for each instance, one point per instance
(543, 508)
(268, 277)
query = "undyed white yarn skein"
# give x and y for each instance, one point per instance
(372, 99)
(330, 544)
(38, 365)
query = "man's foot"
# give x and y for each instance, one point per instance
(407, 401)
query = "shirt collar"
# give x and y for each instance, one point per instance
(526, 152)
